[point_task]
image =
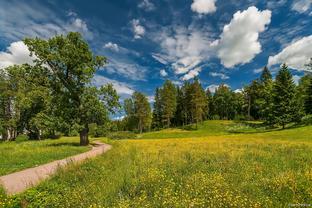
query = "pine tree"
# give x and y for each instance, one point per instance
(266, 75)
(308, 97)
(198, 102)
(142, 111)
(265, 95)
(168, 96)
(156, 122)
(284, 109)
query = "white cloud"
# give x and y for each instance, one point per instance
(121, 87)
(112, 46)
(160, 58)
(191, 74)
(21, 20)
(204, 6)
(296, 79)
(16, 53)
(238, 90)
(126, 68)
(221, 75)
(183, 48)
(239, 42)
(151, 98)
(137, 29)
(163, 73)
(295, 55)
(301, 6)
(212, 88)
(147, 5)
(257, 71)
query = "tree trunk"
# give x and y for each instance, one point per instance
(84, 140)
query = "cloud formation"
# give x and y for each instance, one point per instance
(147, 5)
(295, 55)
(204, 6)
(112, 46)
(221, 75)
(137, 29)
(191, 74)
(163, 73)
(16, 53)
(239, 42)
(121, 87)
(301, 6)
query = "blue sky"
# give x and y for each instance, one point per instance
(148, 41)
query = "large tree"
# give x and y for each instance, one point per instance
(198, 102)
(308, 90)
(72, 65)
(284, 109)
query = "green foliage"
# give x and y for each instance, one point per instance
(21, 138)
(121, 135)
(138, 112)
(285, 108)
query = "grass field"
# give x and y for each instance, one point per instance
(194, 168)
(16, 156)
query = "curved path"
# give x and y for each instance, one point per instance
(20, 181)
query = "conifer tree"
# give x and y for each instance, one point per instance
(156, 121)
(308, 97)
(284, 109)
(168, 96)
(198, 102)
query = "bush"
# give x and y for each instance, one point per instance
(121, 135)
(307, 120)
(21, 138)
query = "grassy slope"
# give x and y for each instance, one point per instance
(271, 169)
(17, 156)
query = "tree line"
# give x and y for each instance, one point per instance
(55, 95)
(277, 102)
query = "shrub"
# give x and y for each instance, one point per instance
(22, 138)
(121, 135)
(307, 120)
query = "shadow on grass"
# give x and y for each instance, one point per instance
(64, 144)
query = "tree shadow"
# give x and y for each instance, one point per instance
(64, 144)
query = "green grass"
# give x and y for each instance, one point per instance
(16, 156)
(207, 169)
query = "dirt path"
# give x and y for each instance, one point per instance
(20, 181)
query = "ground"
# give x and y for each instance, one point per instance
(222, 164)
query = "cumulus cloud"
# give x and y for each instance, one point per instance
(204, 6)
(163, 73)
(16, 53)
(221, 75)
(301, 6)
(112, 46)
(191, 74)
(121, 87)
(137, 29)
(239, 42)
(295, 55)
(147, 5)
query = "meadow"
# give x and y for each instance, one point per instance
(237, 165)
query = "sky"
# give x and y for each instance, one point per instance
(149, 41)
